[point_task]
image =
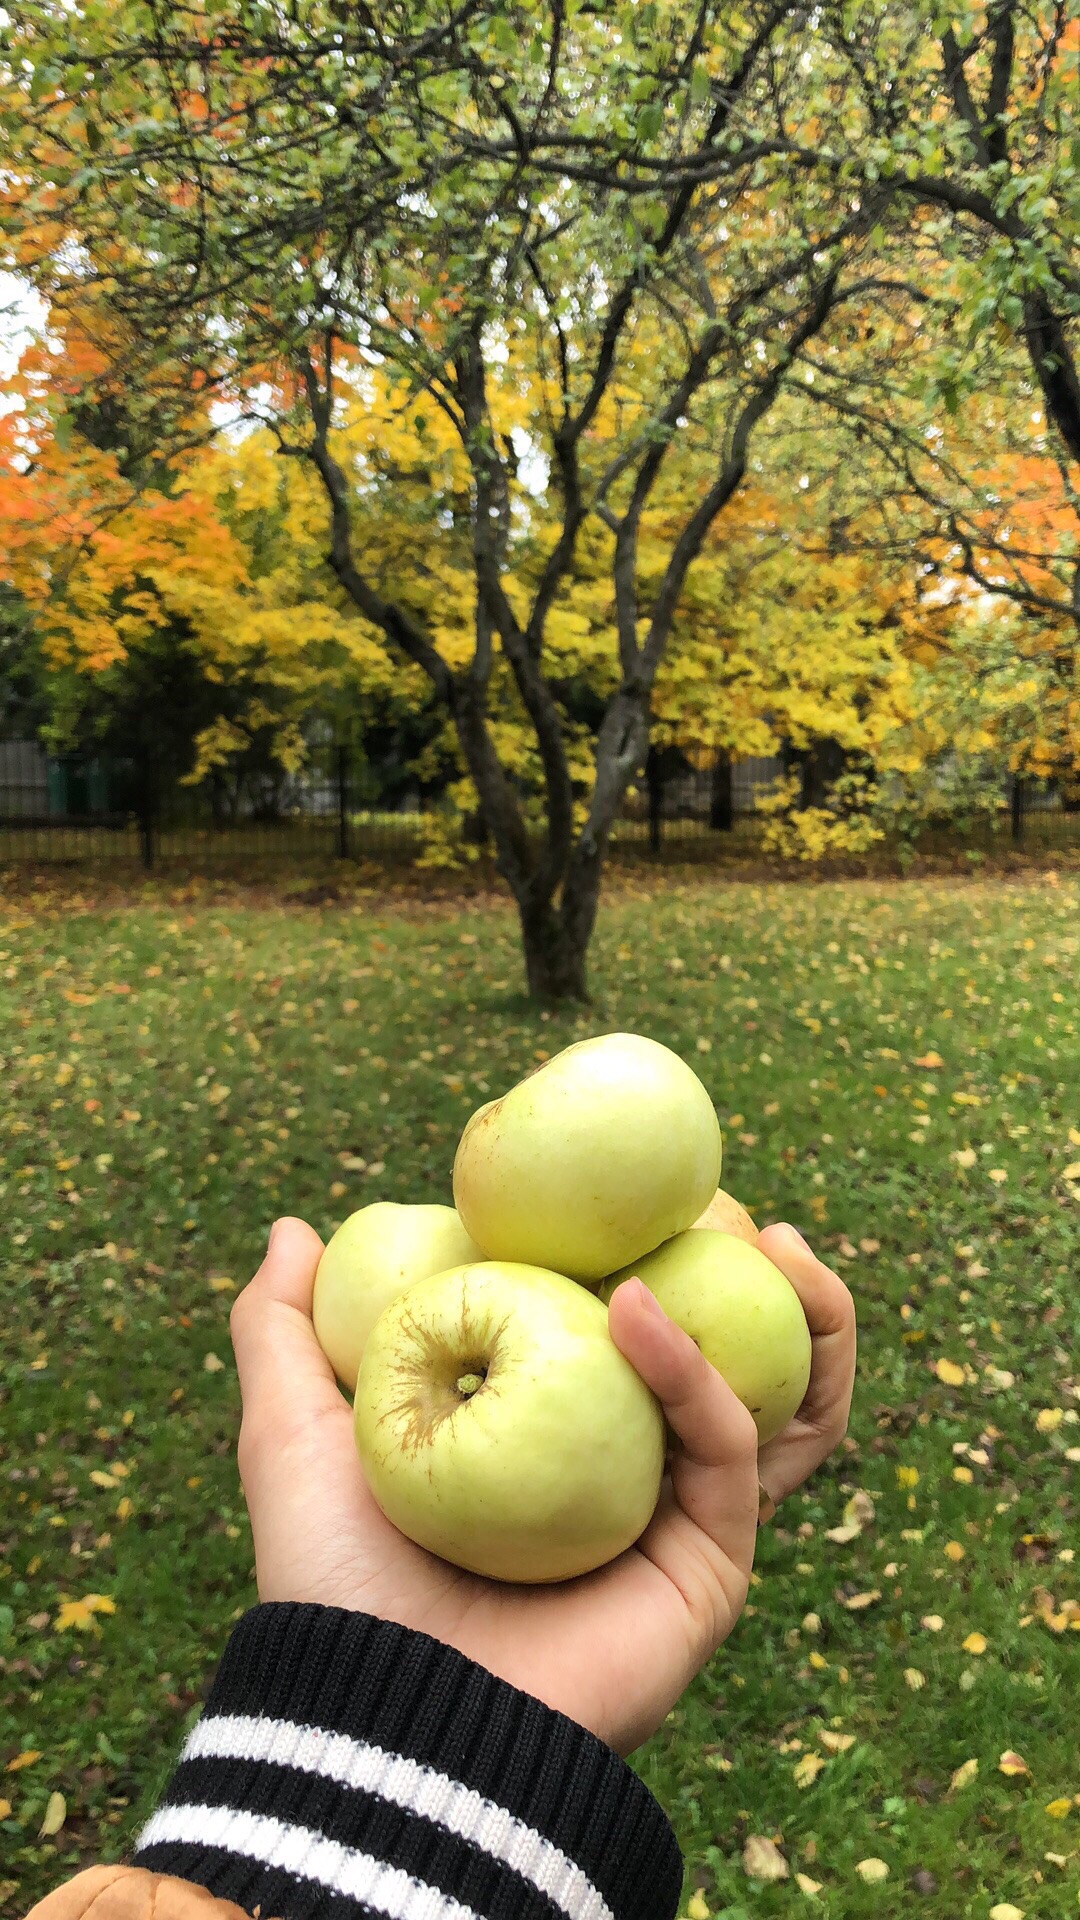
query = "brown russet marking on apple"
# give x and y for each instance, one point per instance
(431, 1372)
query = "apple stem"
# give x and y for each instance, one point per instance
(468, 1383)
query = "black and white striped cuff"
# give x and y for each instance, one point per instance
(345, 1766)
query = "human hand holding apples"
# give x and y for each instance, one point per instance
(615, 1647)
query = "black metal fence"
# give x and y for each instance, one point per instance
(79, 809)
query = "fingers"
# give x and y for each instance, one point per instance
(822, 1419)
(283, 1371)
(714, 1460)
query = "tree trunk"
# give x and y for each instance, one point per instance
(1017, 808)
(555, 950)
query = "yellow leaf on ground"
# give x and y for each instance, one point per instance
(806, 1770)
(1058, 1809)
(806, 1885)
(1006, 1911)
(697, 1909)
(211, 1363)
(79, 1613)
(931, 1060)
(873, 1871)
(55, 1815)
(221, 1285)
(24, 1759)
(763, 1860)
(5, 1809)
(914, 1679)
(933, 1622)
(857, 1601)
(835, 1742)
(1048, 1419)
(101, 1479)
(953, 1550)
(975, 1643)
(1011, 1764)
(963, 1776)
(948, 1372)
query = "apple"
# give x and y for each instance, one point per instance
(744, 1314)
(725, 1215)
(375, 1255)
(499, 1426)
(591, 1161)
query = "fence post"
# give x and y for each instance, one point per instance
(721, 795)
(146, 816)
(1017, 808)
(654, 784)
(343, 802)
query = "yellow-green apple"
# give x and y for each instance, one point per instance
(499, 1426)
(592, 1160)
(375, 1255)
(724, 1214)
(744, 1314)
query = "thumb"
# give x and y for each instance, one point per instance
(281, 1365)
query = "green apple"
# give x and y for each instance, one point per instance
(591, 1161)
(724, 1214)
(500, 1427)
(744, 1314)
(375, 1255)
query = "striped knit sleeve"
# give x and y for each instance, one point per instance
(346, 1767)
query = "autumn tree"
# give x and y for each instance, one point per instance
(502, 201)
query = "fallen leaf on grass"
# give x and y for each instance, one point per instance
(1048, 1419)
(55, 1815)
(806, 1885)
(835, 1742)
(79, 1613)
(949, 1373)
(931, 1060)
(5, 1809)
(763, 1860)
(1059, 1809)
(697, 1909)
(933, 1622)
(914, 1679)
(963, 1776)
(873, 1871)
(1012, 1764)
(857, 1601)
(806, 1770)
(975, 1643)
(1006, 1911)
(211, 1363)
(24, 1759)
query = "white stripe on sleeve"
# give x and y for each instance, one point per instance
(405, 1783)
(307, 1855)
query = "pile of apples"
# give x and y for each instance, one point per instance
(497, 1423)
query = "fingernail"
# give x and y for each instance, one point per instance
(790, 1229)
(273, 1230)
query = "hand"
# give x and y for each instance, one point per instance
(613, 1649)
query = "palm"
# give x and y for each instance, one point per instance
(577, 1646)
(613, 1649)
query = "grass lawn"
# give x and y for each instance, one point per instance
(897, 1068)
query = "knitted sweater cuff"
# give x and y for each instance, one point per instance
(346, 1767)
